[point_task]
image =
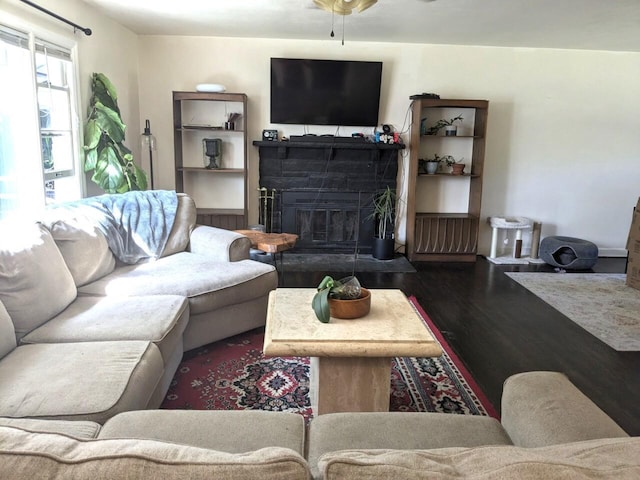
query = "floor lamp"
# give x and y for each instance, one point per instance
(149, 143)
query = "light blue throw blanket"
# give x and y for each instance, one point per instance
(136, 224)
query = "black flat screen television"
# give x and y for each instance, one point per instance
(325, 92)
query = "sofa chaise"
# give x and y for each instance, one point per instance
(549, 429)
(86, 335)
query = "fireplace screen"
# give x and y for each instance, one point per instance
(326, 221)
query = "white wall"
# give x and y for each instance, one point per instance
(111, 49)
(563, 144)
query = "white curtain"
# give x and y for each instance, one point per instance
(21, 176)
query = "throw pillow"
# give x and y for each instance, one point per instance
(83, 246)
(35, 283)
(7, 333)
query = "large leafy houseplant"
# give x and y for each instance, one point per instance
(105, 153)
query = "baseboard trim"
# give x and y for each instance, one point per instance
(612, 252)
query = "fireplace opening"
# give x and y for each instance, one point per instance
(336, 221)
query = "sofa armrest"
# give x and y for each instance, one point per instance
(545, 408)
(219, 244)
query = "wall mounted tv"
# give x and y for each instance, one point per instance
(325, 92)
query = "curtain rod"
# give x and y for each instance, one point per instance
(87, 31)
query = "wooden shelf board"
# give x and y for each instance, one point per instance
(452, 103)
(329, 145)
(220, 211)
(444, 257)
(205, 128)
(445, 215)
(474, 175)
(210, 170)
(210, 96)
(449, 137)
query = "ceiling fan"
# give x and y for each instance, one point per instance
(344, 7)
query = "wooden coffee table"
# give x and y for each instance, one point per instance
(350, 359)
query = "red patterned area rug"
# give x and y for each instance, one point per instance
(232, 374)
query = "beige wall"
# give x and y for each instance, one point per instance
(563, 143)
(111, 49)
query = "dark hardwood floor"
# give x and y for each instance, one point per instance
(499, 328)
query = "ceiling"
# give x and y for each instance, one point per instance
(568, 24)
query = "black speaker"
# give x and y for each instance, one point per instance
(270, 135)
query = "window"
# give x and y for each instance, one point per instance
(39, 160)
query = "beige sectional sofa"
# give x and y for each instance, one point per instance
(88, 346)
(549, 430)
(85, 336)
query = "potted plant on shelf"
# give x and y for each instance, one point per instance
(457, 166)
(430, 165)
(343, 298)
(384, 208)
(451, 129)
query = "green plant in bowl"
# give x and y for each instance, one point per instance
(347, 288)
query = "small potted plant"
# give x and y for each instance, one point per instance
(384, 208)
(457, 166)
(430, 165)
(450, 128)
(343, 298)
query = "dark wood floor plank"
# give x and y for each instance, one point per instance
(498, 328)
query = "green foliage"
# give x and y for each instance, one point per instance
(345, 289)
(437, 158)
(384, 209)
(320, 302)
(450, 160)
(105, 154)
(440, 124)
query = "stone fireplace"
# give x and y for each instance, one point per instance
(323, 190)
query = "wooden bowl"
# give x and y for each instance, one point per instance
(348, 309)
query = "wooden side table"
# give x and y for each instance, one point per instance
(272, 243)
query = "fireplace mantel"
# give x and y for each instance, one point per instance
(326, 184)
(328, 144)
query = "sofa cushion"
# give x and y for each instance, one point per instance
(400, 430)
(7, 333)
(160, 319)
(596, 459)
(78, 381)
(28, 455)
(82, 244)
(183, 224)
(35, 283)
(209, 285)
(71, 428)
(244, 431)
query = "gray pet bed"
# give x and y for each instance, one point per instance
(568, 252)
